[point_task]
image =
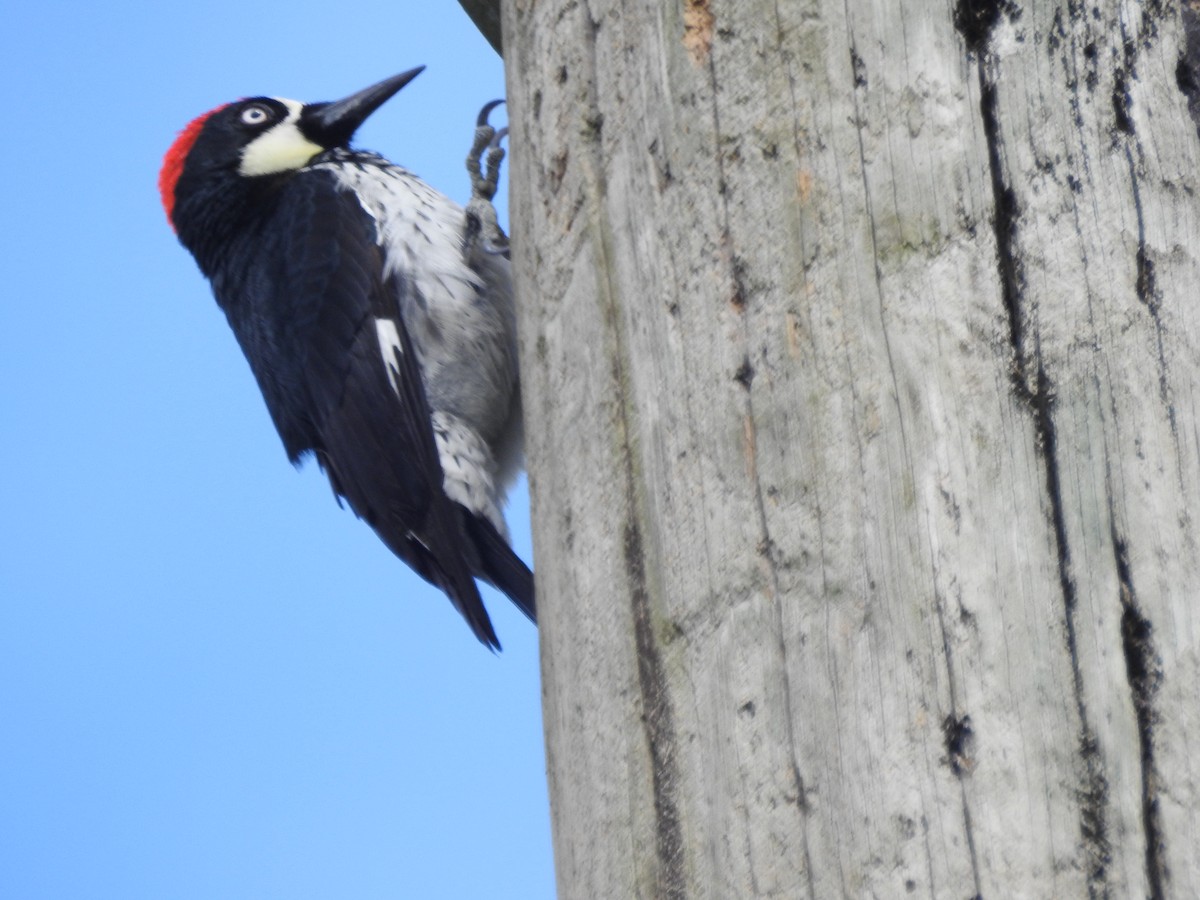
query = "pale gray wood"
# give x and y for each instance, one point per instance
(860, 350)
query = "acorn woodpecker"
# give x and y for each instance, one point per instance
(377, 316)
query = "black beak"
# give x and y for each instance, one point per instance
(333, 124)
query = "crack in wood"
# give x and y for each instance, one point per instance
(1004, 225)
(959, 737)
(1150, 296)
(1142, 664)
(1144, 672)
(653, 683)
(738, 301)
(975, 19)
(658, 719)
(1122, 99)
(959, 741)
(1187, 70)
(1094, 793)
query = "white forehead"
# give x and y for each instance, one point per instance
(293, 108)
(280, 148)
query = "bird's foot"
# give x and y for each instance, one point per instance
(483, 165)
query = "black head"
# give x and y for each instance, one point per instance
(264, 136)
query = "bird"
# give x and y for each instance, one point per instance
(378, 319)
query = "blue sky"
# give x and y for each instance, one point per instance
(213, 682)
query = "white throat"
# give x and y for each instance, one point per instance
(281, 148)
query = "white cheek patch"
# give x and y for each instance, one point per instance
(281, 148)
(389, 347)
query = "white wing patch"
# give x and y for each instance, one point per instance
(280, 148)
(421, 230)
(389, 345)
(468, 469)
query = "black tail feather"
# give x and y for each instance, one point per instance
(459, 586)
(498, 565)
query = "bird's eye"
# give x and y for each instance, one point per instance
(256, 115)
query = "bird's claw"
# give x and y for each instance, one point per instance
(482, 227)
(482, 119)
(486, 148)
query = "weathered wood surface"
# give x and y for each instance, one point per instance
(860, 347)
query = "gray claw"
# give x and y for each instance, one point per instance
(482, 119)
(483, 232)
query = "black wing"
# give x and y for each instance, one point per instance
(374, 441)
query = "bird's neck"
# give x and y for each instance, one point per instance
(214, 221)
